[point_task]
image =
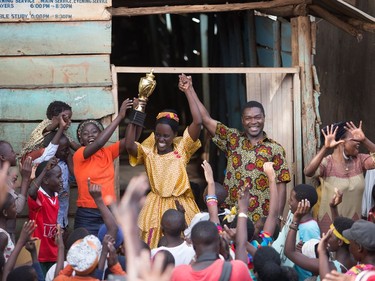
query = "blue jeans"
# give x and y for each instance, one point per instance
(88, 218)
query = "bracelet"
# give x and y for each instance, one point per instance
(293, 228)
(242, 215)
(208, 197)
(295, 223)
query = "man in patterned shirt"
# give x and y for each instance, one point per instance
(246, 152)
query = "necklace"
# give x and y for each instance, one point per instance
(347, 161)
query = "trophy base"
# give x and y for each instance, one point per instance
(137, 118)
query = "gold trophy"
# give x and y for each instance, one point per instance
(146, 87)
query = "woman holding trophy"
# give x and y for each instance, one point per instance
(165, 156)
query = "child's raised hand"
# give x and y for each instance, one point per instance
(243, 198)
(59, 236)
(95, 190)
(27, 229)
(52, 163)
(269, 170)
(126, 104)
(179, 207)
(30, 246)
(323, 244)
(302, 209)
(208, 174)
(26, 168)
(112, 255)
(336, 198)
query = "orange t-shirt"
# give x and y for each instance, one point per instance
(100, 169)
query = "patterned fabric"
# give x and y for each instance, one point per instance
(245, 165)
(351, 182)
(169, 182)
(357, 269)
(9, 247)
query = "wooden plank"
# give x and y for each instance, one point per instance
(211, 70)
(17, 134)
(85, 102)
(183, 9)
(54, 10)
(297, 149)
(50, 38)
(55, 71)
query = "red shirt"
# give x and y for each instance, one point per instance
(44, 211)
(100, 169)
(211, 273)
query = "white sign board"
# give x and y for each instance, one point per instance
(54, 10)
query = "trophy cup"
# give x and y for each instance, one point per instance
(146, 86)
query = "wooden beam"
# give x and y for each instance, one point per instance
(365, 26)
(324, 14)
(185, 9)
(287, 11)
(211, 70)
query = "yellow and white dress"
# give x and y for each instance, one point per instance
(169, 182)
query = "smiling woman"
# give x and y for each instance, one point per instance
(165, 157)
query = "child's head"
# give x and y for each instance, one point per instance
(220, 192)
(301, 192)
(337, 239)
(362, 239)
(52, 180)
(166, 128)
(173, 223)
(8, 209)
(250, 227)
(205, 237)
(267, 265)
(57, 107)
(25, 273)
(168, 258)
(64, 145)
(88, 130)
(7, 153)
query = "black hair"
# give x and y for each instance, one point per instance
(306, 191)
(2, 261)
(340, 133)
(40, 168)
(251, 104)
(173, 222)
(267, 264)
(24, 273)
(56, 107)
(49, 137)
(168, 258)
(171, 122)
(78, 233)
(204, 233)
(162, 242)
(249, 225)
(341, 224)
(373, 192)
(7, 202)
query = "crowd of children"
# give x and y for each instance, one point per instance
(156, 231)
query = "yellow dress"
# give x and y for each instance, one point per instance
(169, 182)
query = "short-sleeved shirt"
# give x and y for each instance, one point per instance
(9, 247)
(211, 273)
(245, 165)
(100, 169)
(44, 211)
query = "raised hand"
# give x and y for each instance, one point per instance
(126, 104)
(336, 198)
(208, 174)
(243, 198)
(95, 190)
(269, 170)
(323, 244)
(185, 83)
(329, 137)
(179, 207)
(27, 229)
(51, 163)
(357, 132)
(26, 168)
(302, 209)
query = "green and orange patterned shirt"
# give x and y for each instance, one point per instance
(245, 165)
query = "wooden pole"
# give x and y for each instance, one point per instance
(185, 9)
(366, 26)
(302, 57)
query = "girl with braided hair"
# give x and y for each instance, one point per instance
(342, 169)
(165, 157)
(94, 163)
